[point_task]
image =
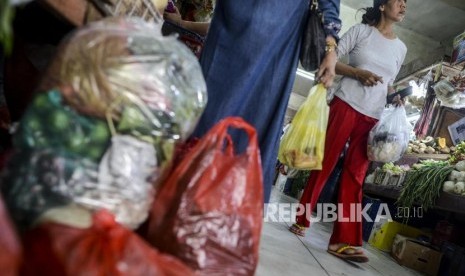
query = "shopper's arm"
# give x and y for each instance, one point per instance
(200, 28)
(365, 77)
(197, 27)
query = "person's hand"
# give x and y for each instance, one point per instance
(367, 78)
(398, 101)
(174, 17)
(327, 71)
(282, 169)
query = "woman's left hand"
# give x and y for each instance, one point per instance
(174, 17)
(327, 71)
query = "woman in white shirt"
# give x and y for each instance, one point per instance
(375, 57)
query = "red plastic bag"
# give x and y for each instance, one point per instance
(10, 250)
(209, 210)
(106, 248)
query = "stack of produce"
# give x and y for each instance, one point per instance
(456, 182)
(430, 145)
(102, 136)
(458, 153)
(390, 174)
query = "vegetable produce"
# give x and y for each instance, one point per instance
(388, 140)
(459, 187)
(441, 142)
(460, 166)
(428, 141)
(121, 96)
(448, 186)
(429, 145)
(458, 154)
(424, 184)
(395, 169)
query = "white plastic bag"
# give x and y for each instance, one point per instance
(388, 140)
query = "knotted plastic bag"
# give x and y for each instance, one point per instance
(302, 146)
(117, 98)
(209, 212)
(10, 250)
(106, 248)
(388, 140)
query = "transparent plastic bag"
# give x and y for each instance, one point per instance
(388, 140)
(121, 97)
(302, 146)
(124, 67)
(447, 94)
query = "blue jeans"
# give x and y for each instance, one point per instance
(249, 62)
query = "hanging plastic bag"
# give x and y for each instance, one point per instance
(106, 248)
(209, 212)
(10, 251)
(388, 140)
(302, 147)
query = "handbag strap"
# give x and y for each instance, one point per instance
(314, 4)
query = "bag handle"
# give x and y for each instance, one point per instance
(221, 133)
(314, 5)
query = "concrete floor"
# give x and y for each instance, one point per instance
(283, 253)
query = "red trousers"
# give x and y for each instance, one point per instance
(344, 124)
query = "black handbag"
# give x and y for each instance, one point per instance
(313, 43)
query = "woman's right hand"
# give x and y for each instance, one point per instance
(367, 78)
(327, 72)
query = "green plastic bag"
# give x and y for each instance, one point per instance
(302, 146)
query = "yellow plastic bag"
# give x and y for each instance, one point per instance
(302, 146)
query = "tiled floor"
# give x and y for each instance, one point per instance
(283, 253)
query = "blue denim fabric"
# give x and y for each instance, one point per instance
(249, 62)
(331, 21)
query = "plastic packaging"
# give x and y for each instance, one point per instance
(449, 95)
(122, 96)
(209, 212)
(105, 248)
(116, 64)
(388, 140)
(302, 146)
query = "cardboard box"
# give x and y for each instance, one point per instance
(416, 255)
(383, 233)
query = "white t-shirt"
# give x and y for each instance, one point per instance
(368, 49)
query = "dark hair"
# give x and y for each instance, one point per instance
(372, 14)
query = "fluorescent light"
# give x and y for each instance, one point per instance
(305, 74)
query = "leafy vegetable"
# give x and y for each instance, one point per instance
(424, 183)
(459, 153)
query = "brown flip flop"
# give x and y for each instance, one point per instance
(341, 253)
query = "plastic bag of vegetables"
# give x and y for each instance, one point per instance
(302, 146)
(120, 97)
(388, 140)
